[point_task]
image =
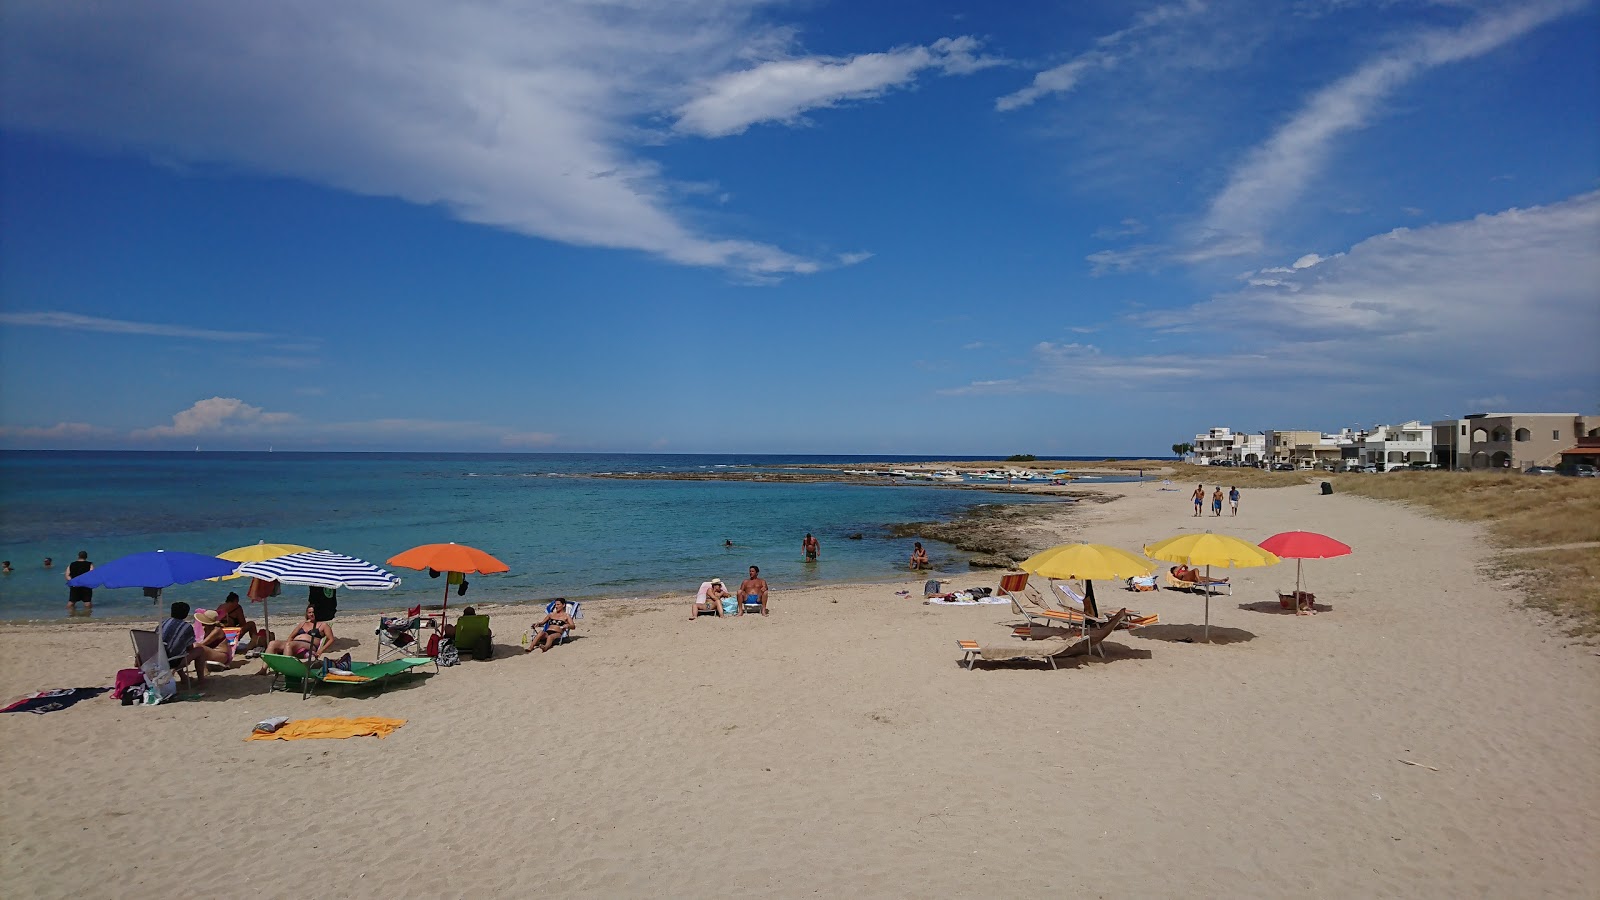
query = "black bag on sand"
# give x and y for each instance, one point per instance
(1327, 487)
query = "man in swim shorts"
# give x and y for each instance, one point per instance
(1199, 497)
(811, 547)
(753, 590)
(1216, 501)
(76, 595)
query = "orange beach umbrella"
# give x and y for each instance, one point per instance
(449, 558)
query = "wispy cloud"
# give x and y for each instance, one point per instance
(783, 90)
(66, 432)
(74, 322)
(1108, 52)
(530, 117)
(1410, 306)
(217, 416)
(1273, 176)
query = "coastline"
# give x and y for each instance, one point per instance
(843, 733)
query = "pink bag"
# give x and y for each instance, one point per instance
(127, 678)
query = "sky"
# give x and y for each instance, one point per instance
(790, 227)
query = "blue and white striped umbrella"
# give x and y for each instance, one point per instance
(320, 568)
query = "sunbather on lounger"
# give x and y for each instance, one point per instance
(548, 630)
(231, 615)
(709, 598)
(1193, 576)
(309, 640)
(213, 644)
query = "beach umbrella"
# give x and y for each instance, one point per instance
(450, 557)
(1302, 545)
(1207, 549)
(256, 553)
(321, 568)
(154, 569)
(1086, 562)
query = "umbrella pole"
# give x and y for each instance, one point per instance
(444, 613)
(1206, 635)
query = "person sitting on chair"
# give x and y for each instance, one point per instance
(709, 599)
(231, 615)
(553, 627)
(753, 591)
(177, 635)
(213, 644)
(919, 556)
(309, 640)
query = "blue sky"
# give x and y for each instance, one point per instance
(736, 226)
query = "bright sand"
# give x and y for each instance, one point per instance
(837, 748)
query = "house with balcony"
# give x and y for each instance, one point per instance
(1303, 449)
(1224, 444)
(1397, 445)
(1519, 441)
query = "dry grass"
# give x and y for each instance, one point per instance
(1519, 511)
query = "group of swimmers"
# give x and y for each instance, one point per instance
(1199, 497)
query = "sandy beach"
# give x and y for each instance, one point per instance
(837, 747)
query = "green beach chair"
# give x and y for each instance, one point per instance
(298, 673)
(473, 637)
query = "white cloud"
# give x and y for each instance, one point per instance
(1274, 175)
(1109, 51)
(75, 322)
(217, 416)
(783, 90)
(1510, 296)
(524, 116)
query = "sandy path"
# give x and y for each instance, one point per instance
(837, 747)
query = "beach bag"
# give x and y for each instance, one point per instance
(730, 605)
(448, 654)
(128, 679)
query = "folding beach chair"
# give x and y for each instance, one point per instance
(1049, 651)
(1041, 619)
(574, 609)
(473, 637)
(292, 673)
(1076, 602)
(150, 655)
(400, 636)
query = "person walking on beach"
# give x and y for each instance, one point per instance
(753, 590)
(1199, 497)
(811, 547)
(1216, 501)
(1233, 500)
(76, 595)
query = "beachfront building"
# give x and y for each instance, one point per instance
(1509, 440)
(1226, 445)
(1397, 445)
(1303, 449)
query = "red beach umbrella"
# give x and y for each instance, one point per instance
(1299, 545)
(449, 558)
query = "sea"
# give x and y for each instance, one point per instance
(562, 530)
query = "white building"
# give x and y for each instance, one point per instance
(1219, 444)
(1396, 445)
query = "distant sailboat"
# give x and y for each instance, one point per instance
(197, 448)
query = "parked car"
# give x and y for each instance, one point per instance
(1583, 470)
(1541, 470)
(1283, 467)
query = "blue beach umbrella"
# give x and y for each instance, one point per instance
(154, 569)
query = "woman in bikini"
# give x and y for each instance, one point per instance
(309, 640)
(919, 557)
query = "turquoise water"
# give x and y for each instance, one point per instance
(561, 532)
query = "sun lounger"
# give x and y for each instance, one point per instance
(1220, 586)
(1048, 650)
(1072, 601)
(1031, 605)
(296, 673)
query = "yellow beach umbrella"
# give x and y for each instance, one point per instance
(1207, 549)
(256, 553)
(1086, 562)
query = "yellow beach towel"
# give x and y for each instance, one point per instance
(311, 729)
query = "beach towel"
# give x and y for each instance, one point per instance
(963, 598)
(316, 729)
(50, 701)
